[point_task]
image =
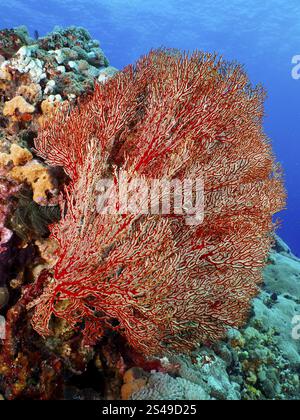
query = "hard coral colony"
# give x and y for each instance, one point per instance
(162, 285)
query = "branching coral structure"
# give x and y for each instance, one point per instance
(163, 285)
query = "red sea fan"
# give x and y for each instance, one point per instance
(161, 284)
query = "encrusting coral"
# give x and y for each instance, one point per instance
(161, 284)
(18, 109)
(26, 170)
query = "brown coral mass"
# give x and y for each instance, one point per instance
(162, 285)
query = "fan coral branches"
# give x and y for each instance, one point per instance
(162, 285)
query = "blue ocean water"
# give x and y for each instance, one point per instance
(262, 34)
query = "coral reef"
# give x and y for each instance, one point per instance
(135, 289)
(12, 40)
(269, 356)
(204, 377)
(29, 93)
(266, 358)
(31, 90)
(35, 74)
(260, 362)
(161, 284)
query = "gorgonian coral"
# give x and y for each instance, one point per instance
(161, 284)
